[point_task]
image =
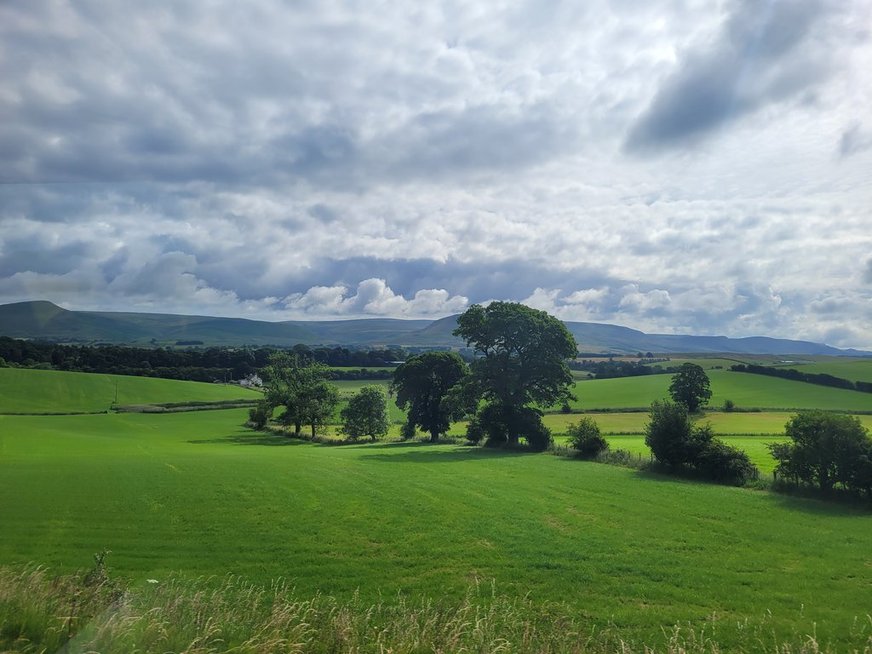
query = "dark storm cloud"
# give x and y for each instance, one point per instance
(768, 51)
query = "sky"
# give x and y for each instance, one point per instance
(675, 166)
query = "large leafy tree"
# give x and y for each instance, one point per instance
(422, 384)
(825, 449)
(366, 414)
(690, 386)
(522, 361)
(300, 386)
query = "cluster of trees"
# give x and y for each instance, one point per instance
(193, 364)
(680, 444)
(520, 365)
(300, 388)
(821, 378)
(826, 451)
(612, 369)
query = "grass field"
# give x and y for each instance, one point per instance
(746, 390)
(859, 369)
(198, 493)
(51, 391)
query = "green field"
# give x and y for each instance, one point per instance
(51, 391)
(198, 493)
(859, 369)
(746, 390)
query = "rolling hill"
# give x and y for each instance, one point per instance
(46, 321)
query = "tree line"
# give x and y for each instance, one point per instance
(821, 378)
(193, 364)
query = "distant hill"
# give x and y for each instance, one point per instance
(47, 321)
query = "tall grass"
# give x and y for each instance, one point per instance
(88, 612)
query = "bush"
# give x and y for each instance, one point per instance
(674, 440)
(260, 414)
(729, 406)
(826, 449)
(407, 431)
(585, 437)
(501, 425)
(722, 462)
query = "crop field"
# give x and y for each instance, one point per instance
(51, 391)
(853, 369)
(200, 494)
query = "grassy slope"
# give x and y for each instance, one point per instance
(853, 369)
(198, 493)
(744, 389)
(50, 391)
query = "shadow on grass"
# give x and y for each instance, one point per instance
(252, 438)
(429, 453)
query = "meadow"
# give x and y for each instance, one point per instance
(53, 391)
(198, 495)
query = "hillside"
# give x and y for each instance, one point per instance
(44, 320)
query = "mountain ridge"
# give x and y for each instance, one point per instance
(43, 320)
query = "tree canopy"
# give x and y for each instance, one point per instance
(422, 385)
(690, 386)
(366, 414)
(300, 386)
(522, 361)
(826, 449)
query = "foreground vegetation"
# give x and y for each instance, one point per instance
(91, 611)
(180, 496)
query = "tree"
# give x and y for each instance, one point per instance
(825, 449)
(522, 360)
(676, 442)
(422, 385)
(366, 414)
(585, 437)
(300, 386)
(690, 386)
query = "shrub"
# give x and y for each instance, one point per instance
(673, 438)
(407, 431)
(825, 449)
(259, 414)
(722, 462)
(729, 406)
(585, 437)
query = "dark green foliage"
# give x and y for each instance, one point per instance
(729, 406)
(721, 462)
(690, 386)
(678, 443)
(672, 437)
(822, 378)
(260, 414)
(422, 385)
(826, 450)
(366, 414)
(300, 386)
(522, 361)
(585, 437)
(407, 431)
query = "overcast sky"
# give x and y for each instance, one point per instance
(674, 166)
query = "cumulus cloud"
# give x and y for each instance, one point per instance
(341, 159)
(373, 297)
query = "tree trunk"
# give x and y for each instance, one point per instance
(434, 436)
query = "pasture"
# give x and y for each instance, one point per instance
(200, 494)
(53, 391)
(746, 390)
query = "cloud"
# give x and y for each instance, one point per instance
(334, 159)
(854, 140)
(766, 52)
(373, 297)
